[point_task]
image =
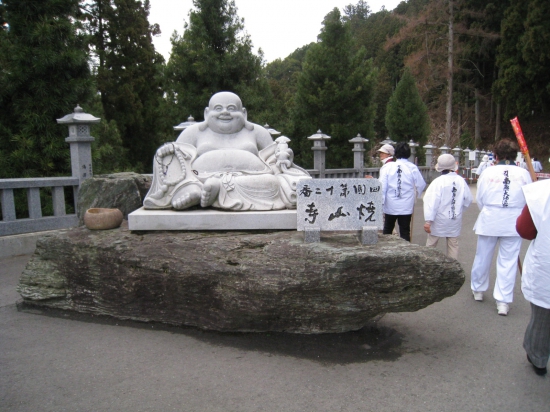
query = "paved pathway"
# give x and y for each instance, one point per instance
(455, 355)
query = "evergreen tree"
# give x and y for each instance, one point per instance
(43, 75)
(406, 113)
(335, 94)
(523, 59)
(129, 75)
(214, 55)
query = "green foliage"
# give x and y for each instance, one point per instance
(406, 114)
(43, 75)
(524, 59)
(214, 55)
(335, 93)
(282, 76)
(108, 152)
(129, 75)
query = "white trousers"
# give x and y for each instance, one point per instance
(507, 265)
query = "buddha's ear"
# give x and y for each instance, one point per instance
(204, 125)
(247, 124)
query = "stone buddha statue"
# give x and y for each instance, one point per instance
(225, 162)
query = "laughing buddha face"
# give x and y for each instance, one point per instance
(225, 113)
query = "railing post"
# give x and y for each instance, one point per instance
(359, 153)
(444, 149)
(429, 154)
(319, 149)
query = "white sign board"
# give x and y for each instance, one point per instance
(339, 204)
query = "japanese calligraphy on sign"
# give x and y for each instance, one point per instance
(339, 204)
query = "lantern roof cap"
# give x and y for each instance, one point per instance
(78, 116)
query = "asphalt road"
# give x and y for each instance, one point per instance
(455, 355)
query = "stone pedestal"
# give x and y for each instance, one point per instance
(236, 281)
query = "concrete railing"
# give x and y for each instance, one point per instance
(81, 166)
(10, 225)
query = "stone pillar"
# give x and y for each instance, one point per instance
(359, 153)
(319, 149)
(429, 154)
(478, 158)
(466, 157)
(413, 147)
(444, 149)
(456, 154)
(80, 142)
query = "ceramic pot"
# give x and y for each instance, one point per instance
(100, 218)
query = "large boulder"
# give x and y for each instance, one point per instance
(124, 191)
(236, 281)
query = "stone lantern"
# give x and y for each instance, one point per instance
(182, 126)
(80, 142)
(387, 140)
(359, 152)
(444, 149)
(456, 154)
(271, 131)
(429, 154)
(319, 149)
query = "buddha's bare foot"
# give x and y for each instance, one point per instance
(210, 191)
(187, 197)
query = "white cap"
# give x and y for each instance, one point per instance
(388, 149)
(446, 162)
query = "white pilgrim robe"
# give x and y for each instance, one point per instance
(535, 282)
(500, 199)
(400, 180)
(444, 201)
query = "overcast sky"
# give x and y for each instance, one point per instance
(278, 27)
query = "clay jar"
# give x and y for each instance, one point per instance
(101, 218)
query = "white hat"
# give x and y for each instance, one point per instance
(388, 149)
(485, 158)
(446, 162)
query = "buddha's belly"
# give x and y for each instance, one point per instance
(229, 160)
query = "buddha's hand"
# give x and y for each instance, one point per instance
(165, 150)
(284, 156)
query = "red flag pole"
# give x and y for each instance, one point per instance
(523, 147)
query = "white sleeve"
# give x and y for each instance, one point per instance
(432, 198)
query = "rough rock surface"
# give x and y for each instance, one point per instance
(124, 191)
(236, 281)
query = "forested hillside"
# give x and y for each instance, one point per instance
(449, 72)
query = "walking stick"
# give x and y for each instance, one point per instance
(525, 151)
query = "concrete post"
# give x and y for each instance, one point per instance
(466, 157)
(319, 149)
(429, 154)
(444, 149)
(359, 153)
(478, 158)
